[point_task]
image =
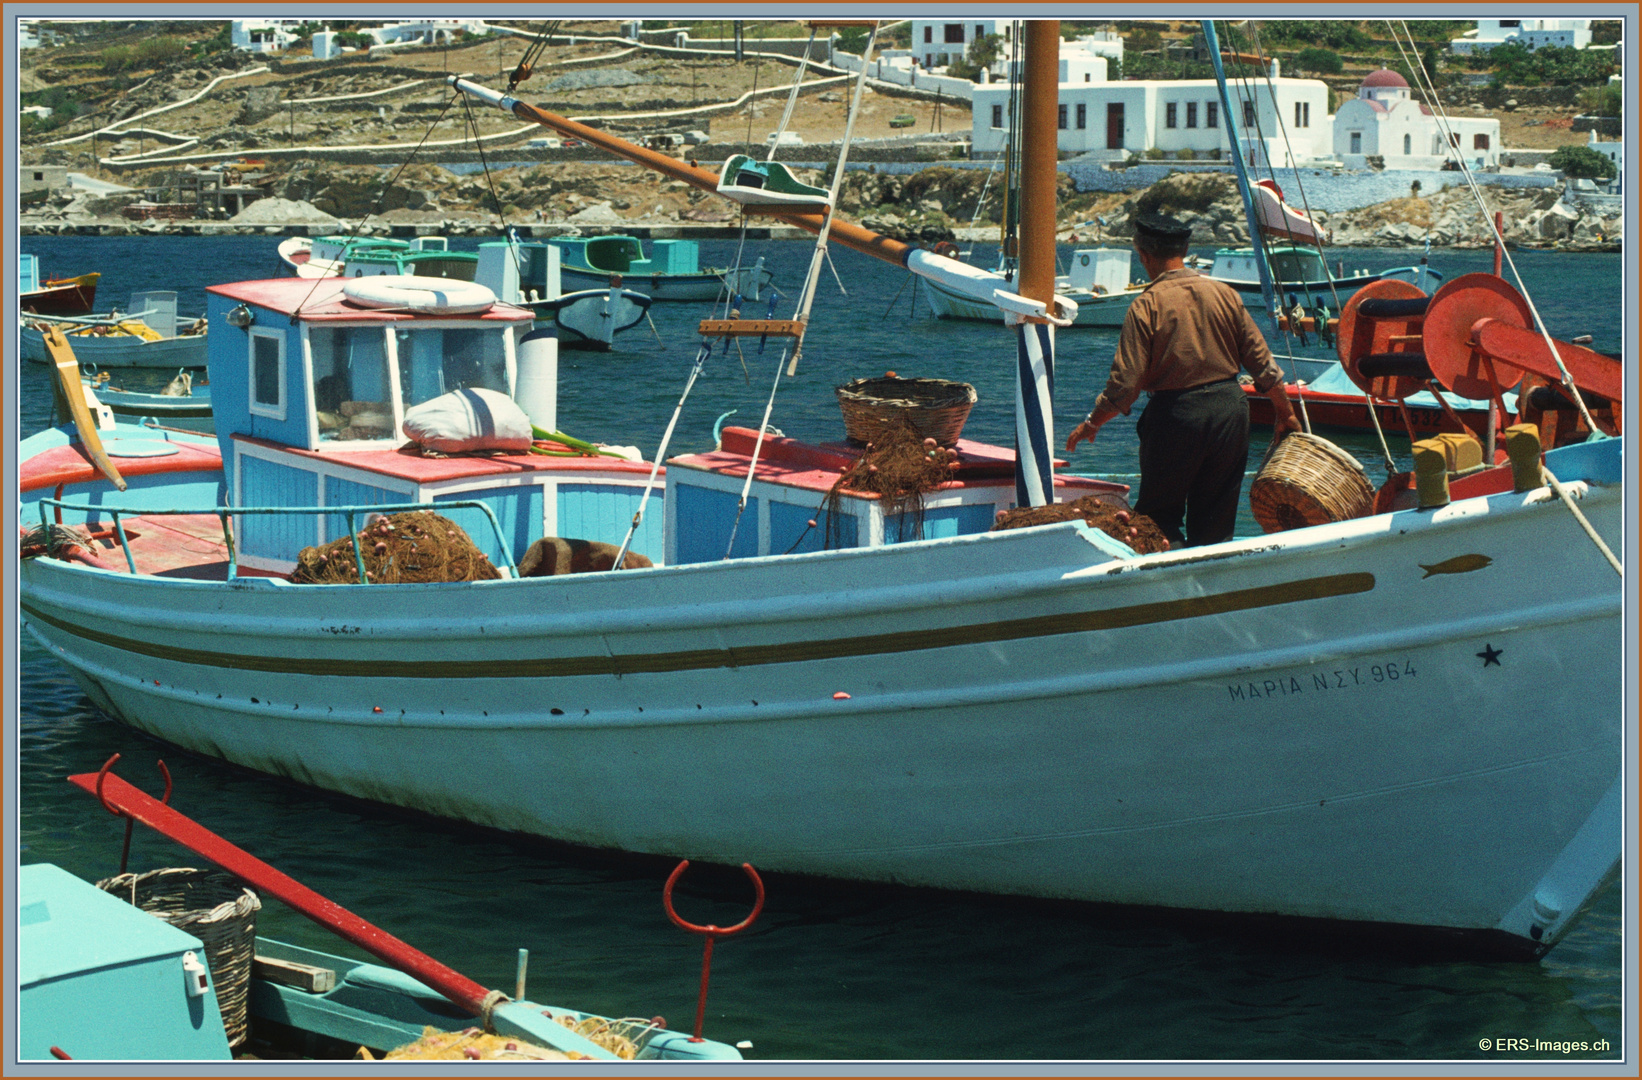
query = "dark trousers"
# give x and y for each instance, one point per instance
(1194, 446)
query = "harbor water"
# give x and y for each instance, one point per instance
(831, 970)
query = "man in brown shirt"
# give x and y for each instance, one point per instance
(1184, 341)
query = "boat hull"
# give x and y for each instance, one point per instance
(1303, 725)
(592, 318)
(1324, 291)
(707, 285)
(122, 351)
(1106, 310)
(70, 296)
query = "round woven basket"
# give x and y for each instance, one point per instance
(1307, 480)
(936, 408)
(215, 907)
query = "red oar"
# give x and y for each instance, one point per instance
(123, 799)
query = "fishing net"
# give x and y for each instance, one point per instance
(1112, 518)
(416, 546)
(620, 1037)
(901, 467)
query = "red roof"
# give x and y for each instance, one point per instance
(322, 299)
(1385, 77)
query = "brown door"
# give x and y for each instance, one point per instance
(1114, 125)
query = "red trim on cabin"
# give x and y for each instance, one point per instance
(817, 468)
(406, 463)
(70, 465)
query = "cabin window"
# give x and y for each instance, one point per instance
(353, 395)
(997, 116)
(1211, 114)
(1169, 115)
(434, 361)
(268, 374)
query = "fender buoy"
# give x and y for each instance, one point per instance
(425, 295)
(947, 248)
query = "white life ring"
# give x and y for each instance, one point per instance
(424, 295)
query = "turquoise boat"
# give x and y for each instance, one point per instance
(671, 271)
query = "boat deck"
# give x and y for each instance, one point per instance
(186, 546)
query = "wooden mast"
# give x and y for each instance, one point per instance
(1039, 153)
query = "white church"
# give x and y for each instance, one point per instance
(1384, 120)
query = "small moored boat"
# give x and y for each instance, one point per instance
(671, 271)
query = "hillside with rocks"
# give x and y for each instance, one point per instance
(933, 204)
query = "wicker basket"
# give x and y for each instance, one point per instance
(1307, 480)
(936, 408)
(215, 907)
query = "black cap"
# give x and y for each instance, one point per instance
(1162, 227)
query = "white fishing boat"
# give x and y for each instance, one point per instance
(1368, 721)
(153, 335)
(1097, 282)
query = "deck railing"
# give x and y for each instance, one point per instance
(225, 512)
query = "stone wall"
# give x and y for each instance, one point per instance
(1330, 189)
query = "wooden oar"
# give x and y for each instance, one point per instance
(74, 395)
(502, 1015)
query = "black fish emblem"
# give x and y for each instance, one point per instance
(1459, 564)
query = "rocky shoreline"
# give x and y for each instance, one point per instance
(934, 204)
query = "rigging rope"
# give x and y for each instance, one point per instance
(1428, 89)
(792, 98)
(360, 224)
(661, 454)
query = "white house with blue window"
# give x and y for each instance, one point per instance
(1282, 119)
(262, 35)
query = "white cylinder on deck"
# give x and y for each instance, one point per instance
(536, 387)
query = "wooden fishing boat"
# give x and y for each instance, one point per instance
(357, 256)
(152, 336)
(53, 296)
(1302, 276)
(152, 406)
(1098, 283)
(529, 275)
(671, 270)
(1361, 722)
(1332, 400)
(102, 979)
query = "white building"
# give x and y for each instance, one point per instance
(1614, 151)
(261, 35)
(938, 42)
(427, 31)
(1112, 120)
(1530, 33)
(1383, 120)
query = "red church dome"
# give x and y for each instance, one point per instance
(1384, 77)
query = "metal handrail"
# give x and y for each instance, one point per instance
(224, 512)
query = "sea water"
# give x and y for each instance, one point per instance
(830, 970)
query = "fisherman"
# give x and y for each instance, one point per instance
(1184, 341)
